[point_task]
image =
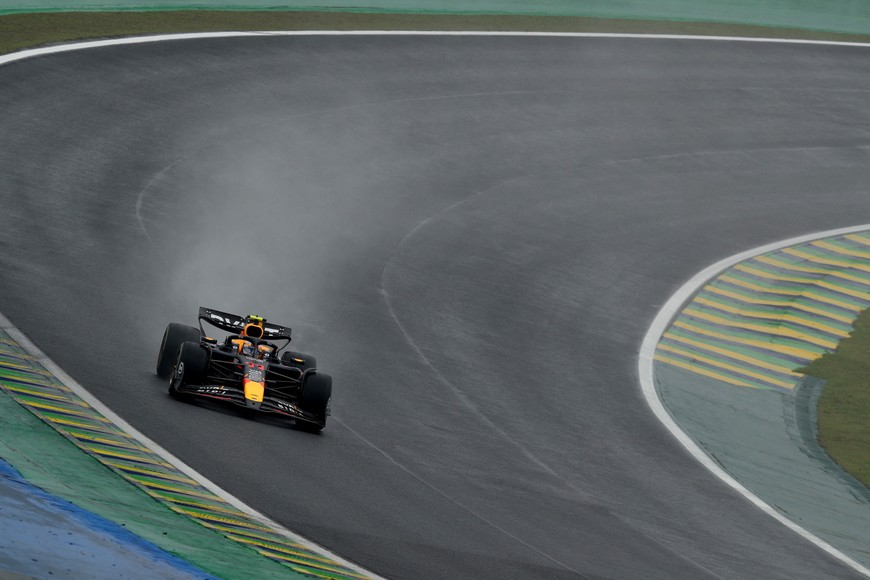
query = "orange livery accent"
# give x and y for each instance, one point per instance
(254, 390)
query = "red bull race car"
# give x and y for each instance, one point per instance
(246, 368)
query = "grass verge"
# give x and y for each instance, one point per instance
(844, 407)
(19, 31)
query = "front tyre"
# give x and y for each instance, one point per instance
(315, 397)
(190, 367)
(174, 335)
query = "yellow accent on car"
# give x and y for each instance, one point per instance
(254, 391)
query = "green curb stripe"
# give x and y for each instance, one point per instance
(758, 321)
(704, 371)
(782, 328)
(794, 264)
(709, 367)
(820, 256)
(848, 282)
(776, 313)
(744, 297)
(744, 371)
(736, 351)
(825, 292)
(243, 535)
(79, 423)
(128, 471)
(775, 344)
(35, 389)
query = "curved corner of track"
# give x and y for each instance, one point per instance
(717, 367)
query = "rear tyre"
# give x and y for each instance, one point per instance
(314, 399)
(174, 335)
(190, 367)
(291, 359)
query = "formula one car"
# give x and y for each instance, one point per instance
(244, 368)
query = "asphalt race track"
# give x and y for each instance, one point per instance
(472, 234)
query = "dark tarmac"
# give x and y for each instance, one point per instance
(471, 234)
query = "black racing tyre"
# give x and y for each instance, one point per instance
(314, 399)
(174, 335)
(308, 361)
(190, 366)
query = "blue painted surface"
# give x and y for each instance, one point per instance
(43, 536)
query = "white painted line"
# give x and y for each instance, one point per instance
(647, 379)
(645, 362)
(30, 53)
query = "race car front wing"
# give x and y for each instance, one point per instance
(235, 395)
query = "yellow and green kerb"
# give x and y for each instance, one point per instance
(34, 388)
(758, 321)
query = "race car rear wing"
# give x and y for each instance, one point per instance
(234, 323)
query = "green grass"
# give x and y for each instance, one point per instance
(19, 31)
(844, 406)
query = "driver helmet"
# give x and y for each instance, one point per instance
(265, 351)
(248, 349)
(244, 347)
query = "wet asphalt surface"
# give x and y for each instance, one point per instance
(471, 234)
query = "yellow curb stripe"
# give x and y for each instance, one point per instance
(860, 295)
(175, 489)
(784, 303)
(772, 276)
(807, 294)
(790, 350)
(827, 261)
(732, 354)
(824, 271)
(105, 441)
(777, 317)
(16, 355)
(28, 381)
(44, 395)
(725, 366)
(702, 371)
(65, 411)
(116, 455)
(150, 473)
(778, 331)
(193, 503)
(858, 238)
(214, 518)
(328, 569)
(249, 534)
(25, 368)
(826, 245)
(280, 548)
(314, 573)
(88, 426)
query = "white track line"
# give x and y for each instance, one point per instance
(15, 56)
(646, 373)
(645, 361)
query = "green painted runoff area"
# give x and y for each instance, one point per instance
(48, 460)
(844, 16)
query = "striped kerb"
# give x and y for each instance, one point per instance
(759, 321)
(33, 387)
